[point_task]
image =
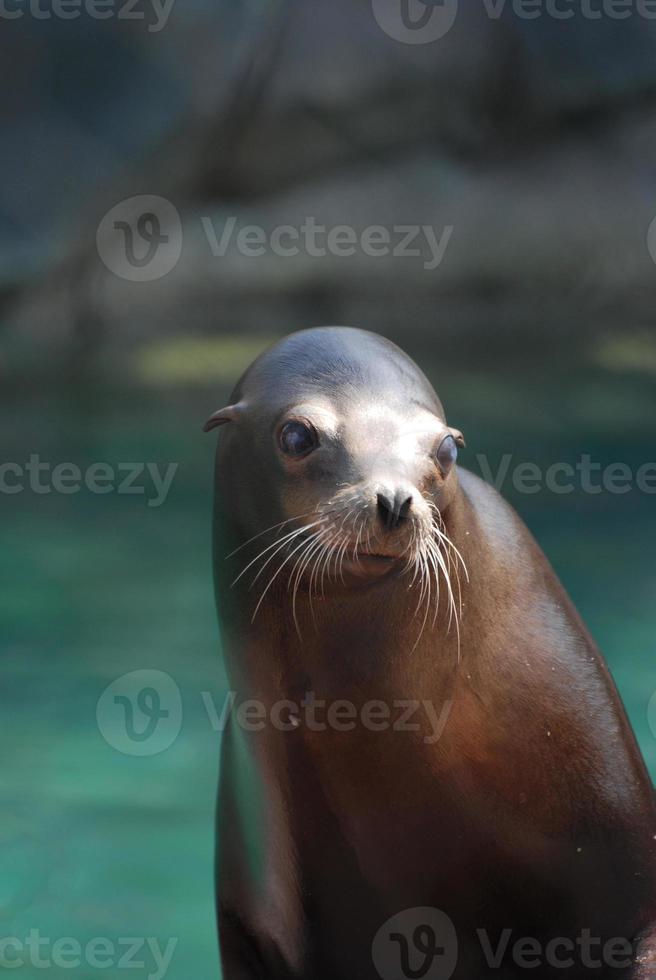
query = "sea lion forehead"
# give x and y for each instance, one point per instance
(343, 362)
(380, 415)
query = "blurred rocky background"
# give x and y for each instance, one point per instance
(527, 144)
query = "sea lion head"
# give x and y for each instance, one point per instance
(337, 458)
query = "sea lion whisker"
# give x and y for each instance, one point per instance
(431, 557)
(368, 544)
(421, 565)
(302, 563)
(297, 570)
(420, 577)
(277, 545)
(440, 530)
(451, 549)
(323, 562)
(273, 527)
(326, 559)
(410, 551)
(454, 615)
(361, 528)
(324, 544)
(451, 552)
(338, 557)
(427, 592)
(281, 546)
(333, 555)
(343, 551)
(274, 546)
(342, 557)
(303, 544)
(337, 505)
(342, 542)
(326, 564)
(314, 578)
(415, 560)
(438, 557)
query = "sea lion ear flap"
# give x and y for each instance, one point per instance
(227, 414)
(459, 438)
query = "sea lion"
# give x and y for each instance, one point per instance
(421, 719)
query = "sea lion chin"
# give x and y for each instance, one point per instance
(369, 569)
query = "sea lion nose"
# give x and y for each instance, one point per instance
(393, 507)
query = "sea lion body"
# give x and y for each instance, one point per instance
(513, 797)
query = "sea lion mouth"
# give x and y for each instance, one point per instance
(376, 556)
(335, 549)
(370, 564)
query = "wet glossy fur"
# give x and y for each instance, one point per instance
(532, 811)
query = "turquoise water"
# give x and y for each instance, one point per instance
(99, 843)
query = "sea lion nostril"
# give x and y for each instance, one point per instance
(393, 510)
(385, 509)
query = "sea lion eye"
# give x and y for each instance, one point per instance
(298, 438)
(447, 454)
